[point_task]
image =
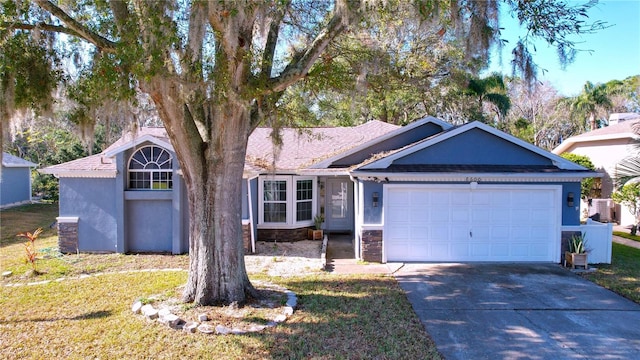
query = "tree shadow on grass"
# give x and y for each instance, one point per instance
(86, 316)
(349, 317)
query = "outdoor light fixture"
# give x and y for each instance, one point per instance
(570, 199)
(376, 198)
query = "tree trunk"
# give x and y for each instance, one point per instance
(592, 121)
(217, 273)
(211, 157)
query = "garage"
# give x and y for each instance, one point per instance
(471, 222)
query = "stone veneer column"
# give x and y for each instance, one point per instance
(68, 235)
(372, 245)
(246, 238)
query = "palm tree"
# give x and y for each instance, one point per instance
(491, 89)
(593, 100)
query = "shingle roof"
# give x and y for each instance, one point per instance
(624, 127)
(9, 160)
(301, 147)
(97, 162)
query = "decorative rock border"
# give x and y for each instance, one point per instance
(164, 316)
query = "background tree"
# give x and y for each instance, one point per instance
(536, 117)
(216, 70)
(592, 104)
(629, 196)
(588, 190)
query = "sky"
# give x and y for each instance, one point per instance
(615, 50)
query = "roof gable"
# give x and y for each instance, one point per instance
(401, 137)
(622, 130)
(154, 135)
(473, 144)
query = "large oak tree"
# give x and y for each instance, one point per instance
(216, 70)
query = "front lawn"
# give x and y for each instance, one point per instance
(622, 275)
(337, 317)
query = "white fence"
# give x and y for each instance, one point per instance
(598, 236)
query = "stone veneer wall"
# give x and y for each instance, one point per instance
(372, 245)
(564, 242)
(284, 235)
(246, 238)
(68, 237)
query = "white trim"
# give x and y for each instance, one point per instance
(558, 161)
(574, 140)
(68, 219)
(291, 182)
(137, 141)
(557, 194)
(471, 177)
(250, 220)
(429, 119)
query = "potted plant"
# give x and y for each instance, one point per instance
(318, 233)
(577, 254)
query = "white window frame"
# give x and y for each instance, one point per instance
(291, 183)
(151, 172)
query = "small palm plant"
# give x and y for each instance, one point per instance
(31, 254)
(577, 244)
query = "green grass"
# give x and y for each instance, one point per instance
(622, 275)
(626, 235)
(337, 317)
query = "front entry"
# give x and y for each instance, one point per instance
(339, 205)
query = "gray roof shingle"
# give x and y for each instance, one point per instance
(300, 147)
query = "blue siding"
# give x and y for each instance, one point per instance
(245, 199)
(372, 215)
(571, 215)
(148, 224)
(15, 185)
(93, 202)
(396, 142)
(474, 147)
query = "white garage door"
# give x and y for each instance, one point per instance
(488, 223)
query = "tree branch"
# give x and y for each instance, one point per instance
(41, 26)
(301, 64)
(120, 14)
(272, 40)
(82, 31)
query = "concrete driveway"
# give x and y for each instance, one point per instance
(523, 311)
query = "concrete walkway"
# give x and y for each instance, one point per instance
(341, 258)
(623, 241)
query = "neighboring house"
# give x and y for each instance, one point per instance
(427, 191)
(606, 147)
(15, 180)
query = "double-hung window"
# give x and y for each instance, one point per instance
(287, 201)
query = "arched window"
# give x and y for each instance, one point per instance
(151, 168)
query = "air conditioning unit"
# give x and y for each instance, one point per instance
(601, 210)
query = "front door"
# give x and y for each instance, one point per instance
(339, 205)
